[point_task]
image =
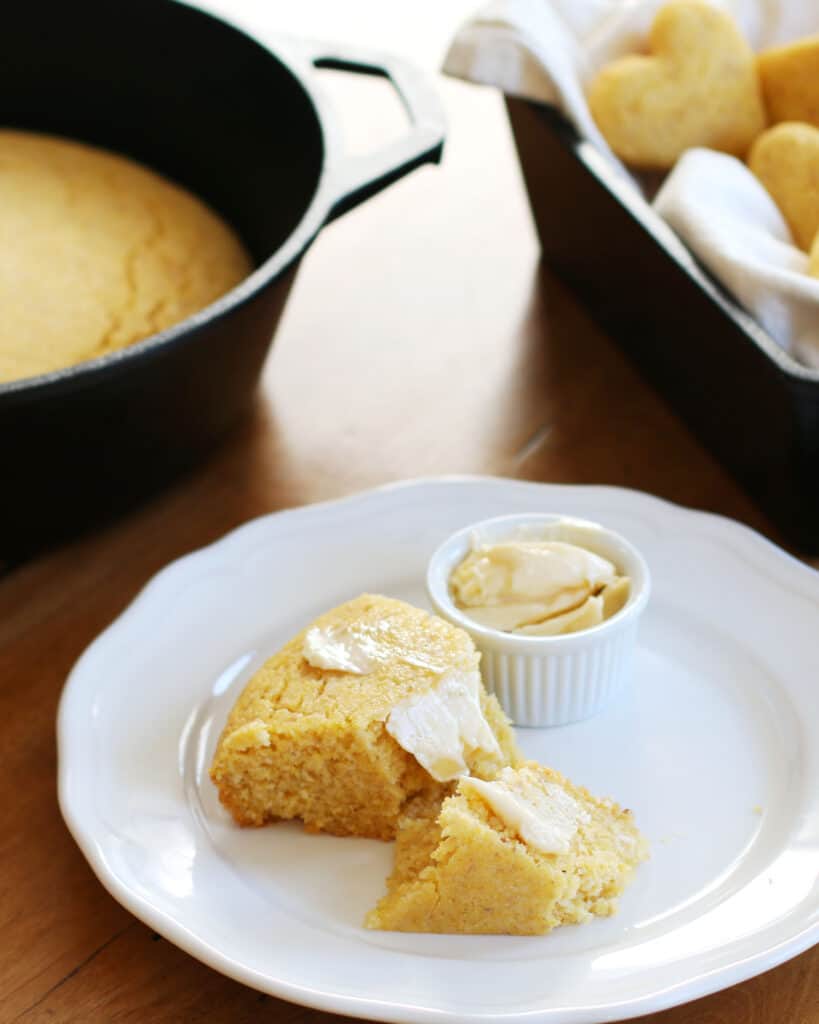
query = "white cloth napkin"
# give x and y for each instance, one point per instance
(548, 50)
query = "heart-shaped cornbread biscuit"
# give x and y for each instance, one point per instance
(698, 87)
(790, 81)
(786, 160)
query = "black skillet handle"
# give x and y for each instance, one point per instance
(356, 178)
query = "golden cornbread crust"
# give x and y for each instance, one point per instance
(98, 252)
(309, 743)
(459, 869)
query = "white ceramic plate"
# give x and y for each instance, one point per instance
(715, 750)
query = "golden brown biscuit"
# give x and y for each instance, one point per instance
(786, 160)
(789, 76)
(697, 87)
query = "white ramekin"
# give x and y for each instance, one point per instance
(548, 680)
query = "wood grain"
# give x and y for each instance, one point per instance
(422, 337)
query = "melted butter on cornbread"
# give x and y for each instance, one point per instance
(544, 815)
(438, 726)
(537, 587)
(358, 649)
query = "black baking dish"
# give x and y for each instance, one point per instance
(241, 124)
(752, 405)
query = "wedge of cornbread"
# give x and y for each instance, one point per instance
(372, 704)
(519, 855)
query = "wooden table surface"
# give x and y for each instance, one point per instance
(422, 337)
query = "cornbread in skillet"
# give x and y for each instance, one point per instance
(98, 252)
(516, 856)
(373, 703)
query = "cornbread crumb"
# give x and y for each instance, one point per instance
(313, 743)
(252, 734)
(459, 868)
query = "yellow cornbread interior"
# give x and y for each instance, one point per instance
(310, 743)
(460, 869)
(98, 252)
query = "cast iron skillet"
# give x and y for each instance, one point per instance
(242, 126)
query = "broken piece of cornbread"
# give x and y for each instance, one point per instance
(519, 855)
(374, 703)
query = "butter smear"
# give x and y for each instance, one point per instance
(440, 726)
(542, 814)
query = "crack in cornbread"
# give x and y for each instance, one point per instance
(98, 252)
(460, 868)
(313, 743)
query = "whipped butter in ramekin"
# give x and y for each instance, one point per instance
(535, 587)
(552, 603)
